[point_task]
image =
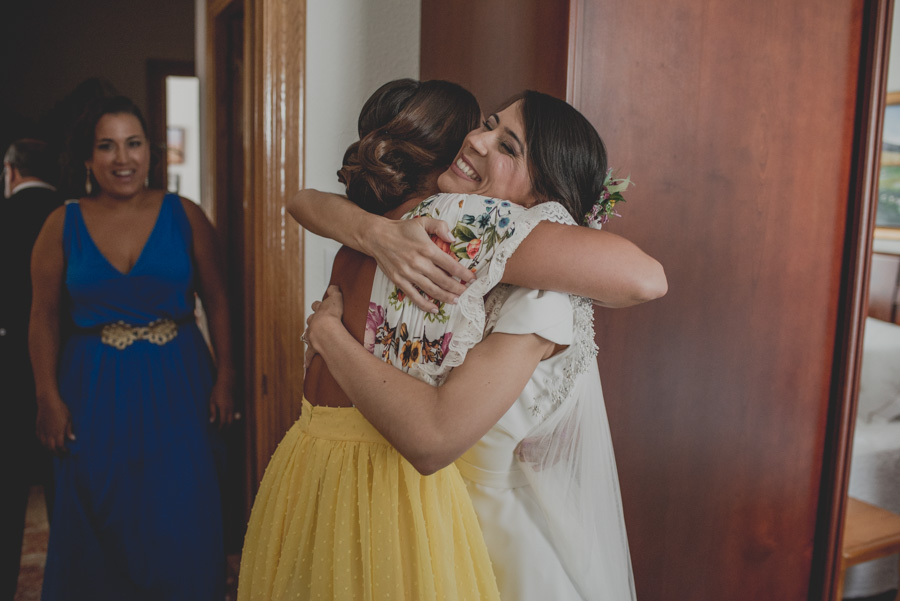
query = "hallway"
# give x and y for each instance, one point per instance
(34, 547)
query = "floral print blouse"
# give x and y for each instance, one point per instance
(402, 334)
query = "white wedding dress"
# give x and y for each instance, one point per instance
(543, 480)
(551, 535)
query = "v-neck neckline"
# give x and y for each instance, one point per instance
(137, 262)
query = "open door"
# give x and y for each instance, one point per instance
(748, 129)
(225, 144)
(255, 158)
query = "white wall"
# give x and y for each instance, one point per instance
(183, 110)
(352, 47)
(893, 84)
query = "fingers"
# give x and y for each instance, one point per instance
(446, 262)
(439, 286)
(55, 443)
(437, 227)
(433, 292)
(452, 269)
(226, 416)
(415, 297)
(221, 411)
(308, 357)
(54, 436)
(431, 280)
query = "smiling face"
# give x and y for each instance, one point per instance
(493, 160)
(120, 160)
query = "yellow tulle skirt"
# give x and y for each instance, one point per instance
(341, 515)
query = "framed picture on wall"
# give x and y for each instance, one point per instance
(175, 147)
(887, 220)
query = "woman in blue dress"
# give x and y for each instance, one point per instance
(127, 400)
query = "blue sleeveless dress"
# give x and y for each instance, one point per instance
(137, 514)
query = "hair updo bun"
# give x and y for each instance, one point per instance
(408, 131)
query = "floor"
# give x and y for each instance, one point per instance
(888, 596)
(34, 548)
(34, 552)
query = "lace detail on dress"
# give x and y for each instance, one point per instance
(471, 307)
(581, 357)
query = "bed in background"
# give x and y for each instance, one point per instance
(875, 467)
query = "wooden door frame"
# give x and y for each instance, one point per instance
(275, 71)
(276, 65)
(853, 303)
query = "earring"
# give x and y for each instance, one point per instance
(88, 186)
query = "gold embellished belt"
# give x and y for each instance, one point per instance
(121, 335)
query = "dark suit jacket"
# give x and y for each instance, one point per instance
(21, 218)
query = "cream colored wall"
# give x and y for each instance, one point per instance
(893, 84)
(352, 47)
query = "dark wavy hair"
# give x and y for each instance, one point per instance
(81, 140)
(408, 130)
(566, 157)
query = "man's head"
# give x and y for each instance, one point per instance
(27, 160)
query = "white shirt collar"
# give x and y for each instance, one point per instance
(32, 184)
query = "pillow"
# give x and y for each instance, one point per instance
(879, 382)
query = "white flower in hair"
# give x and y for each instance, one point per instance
(610, 196)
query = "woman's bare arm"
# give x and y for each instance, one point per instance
(592, 263)
(54, 423)
(211, 282)
(402, 248)
(429, 425)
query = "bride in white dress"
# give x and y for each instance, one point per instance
(522, 413)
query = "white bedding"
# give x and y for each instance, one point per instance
(875, 467)
(879, 383)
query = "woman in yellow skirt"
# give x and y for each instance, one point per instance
(340, 514)
(521, 414)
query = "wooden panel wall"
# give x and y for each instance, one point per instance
(742, 125)
(496, 48)
(719, 393)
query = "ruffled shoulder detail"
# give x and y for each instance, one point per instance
(398, 331)
(469, 319)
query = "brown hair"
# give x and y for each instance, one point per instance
(407, 131)
(566, 156)
(81, 139)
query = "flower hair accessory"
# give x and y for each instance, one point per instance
(605, 206)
